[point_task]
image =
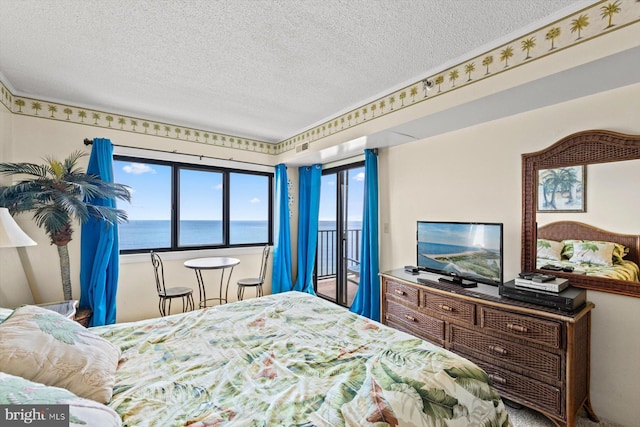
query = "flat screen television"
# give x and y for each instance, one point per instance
(463, 252)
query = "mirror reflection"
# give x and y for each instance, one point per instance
(611, 203)
(597, 247)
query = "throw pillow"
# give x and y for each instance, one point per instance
(599, 253)
(549, 249)
(82, 412)
(46, 347)
(619, 250)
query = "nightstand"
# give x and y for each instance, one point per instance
(83, 316)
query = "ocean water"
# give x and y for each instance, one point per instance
(150, 234)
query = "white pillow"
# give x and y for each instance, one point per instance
(550, 249)
(598, 253)
(46, 347)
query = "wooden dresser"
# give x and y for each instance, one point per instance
(534, 356)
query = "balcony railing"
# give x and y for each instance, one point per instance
(326, 255)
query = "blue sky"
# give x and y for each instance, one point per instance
(460, 234)
(356, 195)
(201, 193)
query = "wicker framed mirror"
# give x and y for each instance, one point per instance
(581, 148)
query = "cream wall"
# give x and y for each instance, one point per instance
(474, 174)
(10, 266)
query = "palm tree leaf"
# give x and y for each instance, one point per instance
(51, 218)
(72, 160)
(73, 207)
(24, 169)
(107, 213)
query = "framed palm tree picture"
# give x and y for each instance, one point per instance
(562, 189)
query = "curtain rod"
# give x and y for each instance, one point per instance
(88, 142)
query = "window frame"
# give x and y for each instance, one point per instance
(226, 171)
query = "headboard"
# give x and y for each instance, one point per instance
(562, 230)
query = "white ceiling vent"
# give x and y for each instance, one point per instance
(302, 147)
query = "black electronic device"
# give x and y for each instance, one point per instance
(466, 252)
(569, 300)
(543, 278)
(551, 267)
(458, 281)
(537, 277)
(411, 269)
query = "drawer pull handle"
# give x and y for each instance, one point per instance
(411, 318)
(517, 328)
(499, 350)
(496, 379)
(446, 307)
(399, 292)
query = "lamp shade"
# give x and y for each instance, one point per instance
(11, 235)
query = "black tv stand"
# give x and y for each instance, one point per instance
(457, 281)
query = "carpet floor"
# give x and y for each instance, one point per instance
(526, 417)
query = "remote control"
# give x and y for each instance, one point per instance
(542, 278)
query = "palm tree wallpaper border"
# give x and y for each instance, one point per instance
(587, 24)
(562, 189)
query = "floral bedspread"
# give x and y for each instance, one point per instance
(291, 359)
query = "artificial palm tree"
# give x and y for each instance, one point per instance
(58, 193)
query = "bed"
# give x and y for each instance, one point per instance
(585, 249)
(289, 359)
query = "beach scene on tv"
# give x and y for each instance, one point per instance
(472, 251)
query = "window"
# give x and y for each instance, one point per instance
(177, 206)
(248, 208)
(200, 208)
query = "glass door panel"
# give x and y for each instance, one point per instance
(339, 231)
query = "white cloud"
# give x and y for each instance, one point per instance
(138, 168)
(359, 177)
(254, 200)
(218, 187)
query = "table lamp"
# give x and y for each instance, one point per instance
(12, 236)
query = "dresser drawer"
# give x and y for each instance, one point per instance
(401, 326)
(534, 394)
(420, 323)
(454, 309)
(402, 292)
(537, 362)
(529, 328)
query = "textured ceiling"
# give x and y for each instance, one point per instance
(262, 69)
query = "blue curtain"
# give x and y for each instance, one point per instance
(281, 280)
(308, 211)
(99, 249)
(367, 299)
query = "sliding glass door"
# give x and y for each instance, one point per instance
(339, 231)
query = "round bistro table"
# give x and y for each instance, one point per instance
(212, 263)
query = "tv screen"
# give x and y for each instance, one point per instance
(464, 250)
